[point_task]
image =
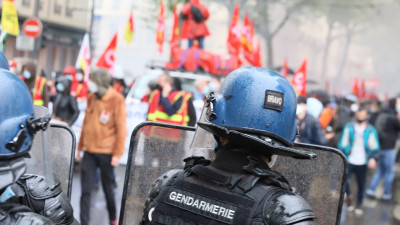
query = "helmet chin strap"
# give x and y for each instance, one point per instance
(11, 171)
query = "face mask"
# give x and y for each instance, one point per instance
(360, 121)
(206, 90)
(299, 110)
(27, 74)
(354, 107)
(79, 77)
(60, 87)
(398, 109)
(53, 74)
(92, 86)
(68, 76)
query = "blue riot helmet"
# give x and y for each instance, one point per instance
(18, 124)
(4, 62)
(255, 107)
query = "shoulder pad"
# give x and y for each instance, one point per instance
(284, 207)
(31, 218)
(21, 216)
(37, 187)
(158, 185)
(161, 182)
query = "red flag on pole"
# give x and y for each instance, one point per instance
(299, 80)
(257, 55)
(129, 29)
(107, 59)
(161, 28)
(362, 89)
(355, 89)
(247, 38)
(174, 42)
(234, 33)
(285, 69)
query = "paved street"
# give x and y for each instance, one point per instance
(375, 212)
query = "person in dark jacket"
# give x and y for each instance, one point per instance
(374, 110)
(388, 126)
(309, 127)
(65, 106)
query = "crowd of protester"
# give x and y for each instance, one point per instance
(365, 130)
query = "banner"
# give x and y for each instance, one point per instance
(129, 29)
(9, 18)
(107, 59)
(299, 80)
(83, 60)
(161, 28)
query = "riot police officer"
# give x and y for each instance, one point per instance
(252, 118)
(24, 198)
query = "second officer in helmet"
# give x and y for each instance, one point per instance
(252, 118)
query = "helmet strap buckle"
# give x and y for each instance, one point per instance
(210, 106)
(34, 125)
(18, 140)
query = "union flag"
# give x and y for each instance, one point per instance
(174, 42)
(234, 33)
(161, 28)
(107, 59)
(129, 29)
(299, 80)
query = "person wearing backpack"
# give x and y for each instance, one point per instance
(195, 15)
(388, 127)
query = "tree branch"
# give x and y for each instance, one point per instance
(288, 13)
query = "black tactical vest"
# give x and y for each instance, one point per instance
(204, 195)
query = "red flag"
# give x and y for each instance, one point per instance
(257, 56)
(161, 28)
(129, 29)
(107, 59)
(285, 69)
(362, 89)
(234, 33)
(174, 42)
(355, 89)
(246, 38)
(299, 79)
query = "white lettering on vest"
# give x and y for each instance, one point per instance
(202, 205)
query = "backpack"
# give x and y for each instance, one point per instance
(197, 16)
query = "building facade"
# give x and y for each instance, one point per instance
(64, 25)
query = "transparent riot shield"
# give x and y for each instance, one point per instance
(52, 154)
(320, 181)
(154, 149)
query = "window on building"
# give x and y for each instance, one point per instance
(26, 3)
(40, 5)
(57, 7)
(68, 12)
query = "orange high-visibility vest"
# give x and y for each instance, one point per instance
(156, 111)
(37, 89)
